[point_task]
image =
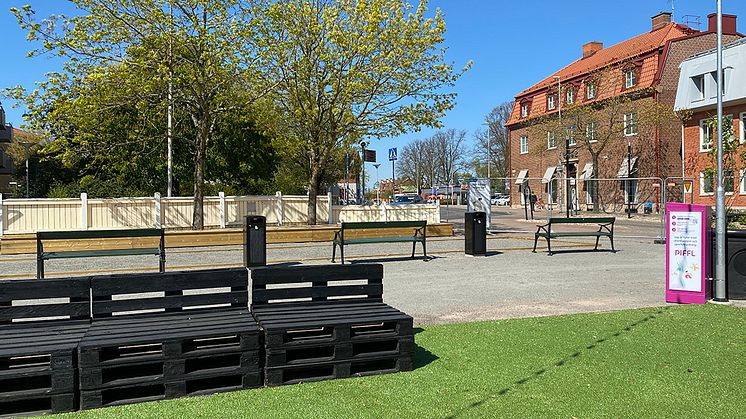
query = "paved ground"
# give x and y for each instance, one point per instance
(510, 282)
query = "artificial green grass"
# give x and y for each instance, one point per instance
(683, 361)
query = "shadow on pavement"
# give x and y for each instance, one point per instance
(393, 259)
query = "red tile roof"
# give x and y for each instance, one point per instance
(642, 47)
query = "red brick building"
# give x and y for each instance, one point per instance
(607, 99)
(697, 98)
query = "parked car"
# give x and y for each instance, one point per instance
(500, 199)
(407, 199)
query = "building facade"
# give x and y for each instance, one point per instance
(6, 163)
(614, 108)
(696, 101)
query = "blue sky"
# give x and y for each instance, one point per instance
(513, 44)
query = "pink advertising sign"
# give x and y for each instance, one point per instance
(688, 242)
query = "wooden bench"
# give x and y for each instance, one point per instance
(42, 236)
(605, 229)
(420, 235)
(41, 324)
(166, 335)
(324, 322)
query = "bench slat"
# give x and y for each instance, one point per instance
(384, 240)
(170, 301)
(317, 292)
(108, 285)
(575, 234)
(94, 253)
(32, 289)
(74, 310)
(99, 234)
(297, 274)
(382, 224)
(581, 220)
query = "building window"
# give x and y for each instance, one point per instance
(729, 182)
(552, 189)
(550, 102)
(630, 124)
(570, 96)
(706, 184)
(551, 141)
(571, 134)
(741, 183)
(590, 131)
(524, 144)
(524, 110)
(706, 133)
(630, 78)
(699, 86)
(590, 90)
(742, 128)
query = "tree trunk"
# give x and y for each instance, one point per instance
(198, 207)
(313, 192)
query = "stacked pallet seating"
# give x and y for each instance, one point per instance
(167, 335)
(41, 323)
(324, 322)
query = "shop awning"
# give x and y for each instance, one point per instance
(549, 174)
(623, 168)
(587, 171)
(521, 177)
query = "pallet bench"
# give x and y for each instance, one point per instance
(420, 235)
(177, 334)
(605, 229)
(38, 344)
(43, 236)
(337, 327)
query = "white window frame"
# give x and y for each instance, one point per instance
(703, 129)
(732, 183)
(524, 144)
(551, 140)
(741, 182)
(524, 110)
(699, 85)
(570, 134)
(702, 191)
(551, 105)
(630, 79)
(591, 131)
(627, 131)
(590, 90)
(570, 96)
(741, 128)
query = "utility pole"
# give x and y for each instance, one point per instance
(378, 182)
(720, 193)
(169, 128)
(628, 183)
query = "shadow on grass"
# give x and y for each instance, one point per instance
(563, 362)
(422, 356)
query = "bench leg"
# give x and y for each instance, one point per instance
(342, 253)
(414, 245)
(597, 238)
(40, 268)
(536, 239)
(549, 246)
(334, 251)
(611, 238)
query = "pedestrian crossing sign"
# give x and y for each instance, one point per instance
(392, 154)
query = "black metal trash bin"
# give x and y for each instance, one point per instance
(255, 245)
(735, 268)
(475, 233)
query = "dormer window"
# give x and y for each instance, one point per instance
(550, 102)
(630, 78)
(524, 110)
(699, 86)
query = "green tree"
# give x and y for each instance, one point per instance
(344, 70)
(133, 49)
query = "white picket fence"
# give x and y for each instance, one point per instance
(32, 215)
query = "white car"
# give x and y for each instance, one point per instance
(500, 199)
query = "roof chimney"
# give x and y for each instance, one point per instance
(591, 48)
(660, 20)
(729, 24)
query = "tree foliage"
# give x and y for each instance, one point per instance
(345, 70)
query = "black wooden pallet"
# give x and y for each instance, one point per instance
(344, 351)
(134, 339)
(38, 405)
(168, 370)
(192, 384)
(331, 322)
(276, 376)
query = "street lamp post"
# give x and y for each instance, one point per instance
(720, 220)
(629, 175)
(378, 182)
(363, 144)
(567, 146)
(26, 146)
